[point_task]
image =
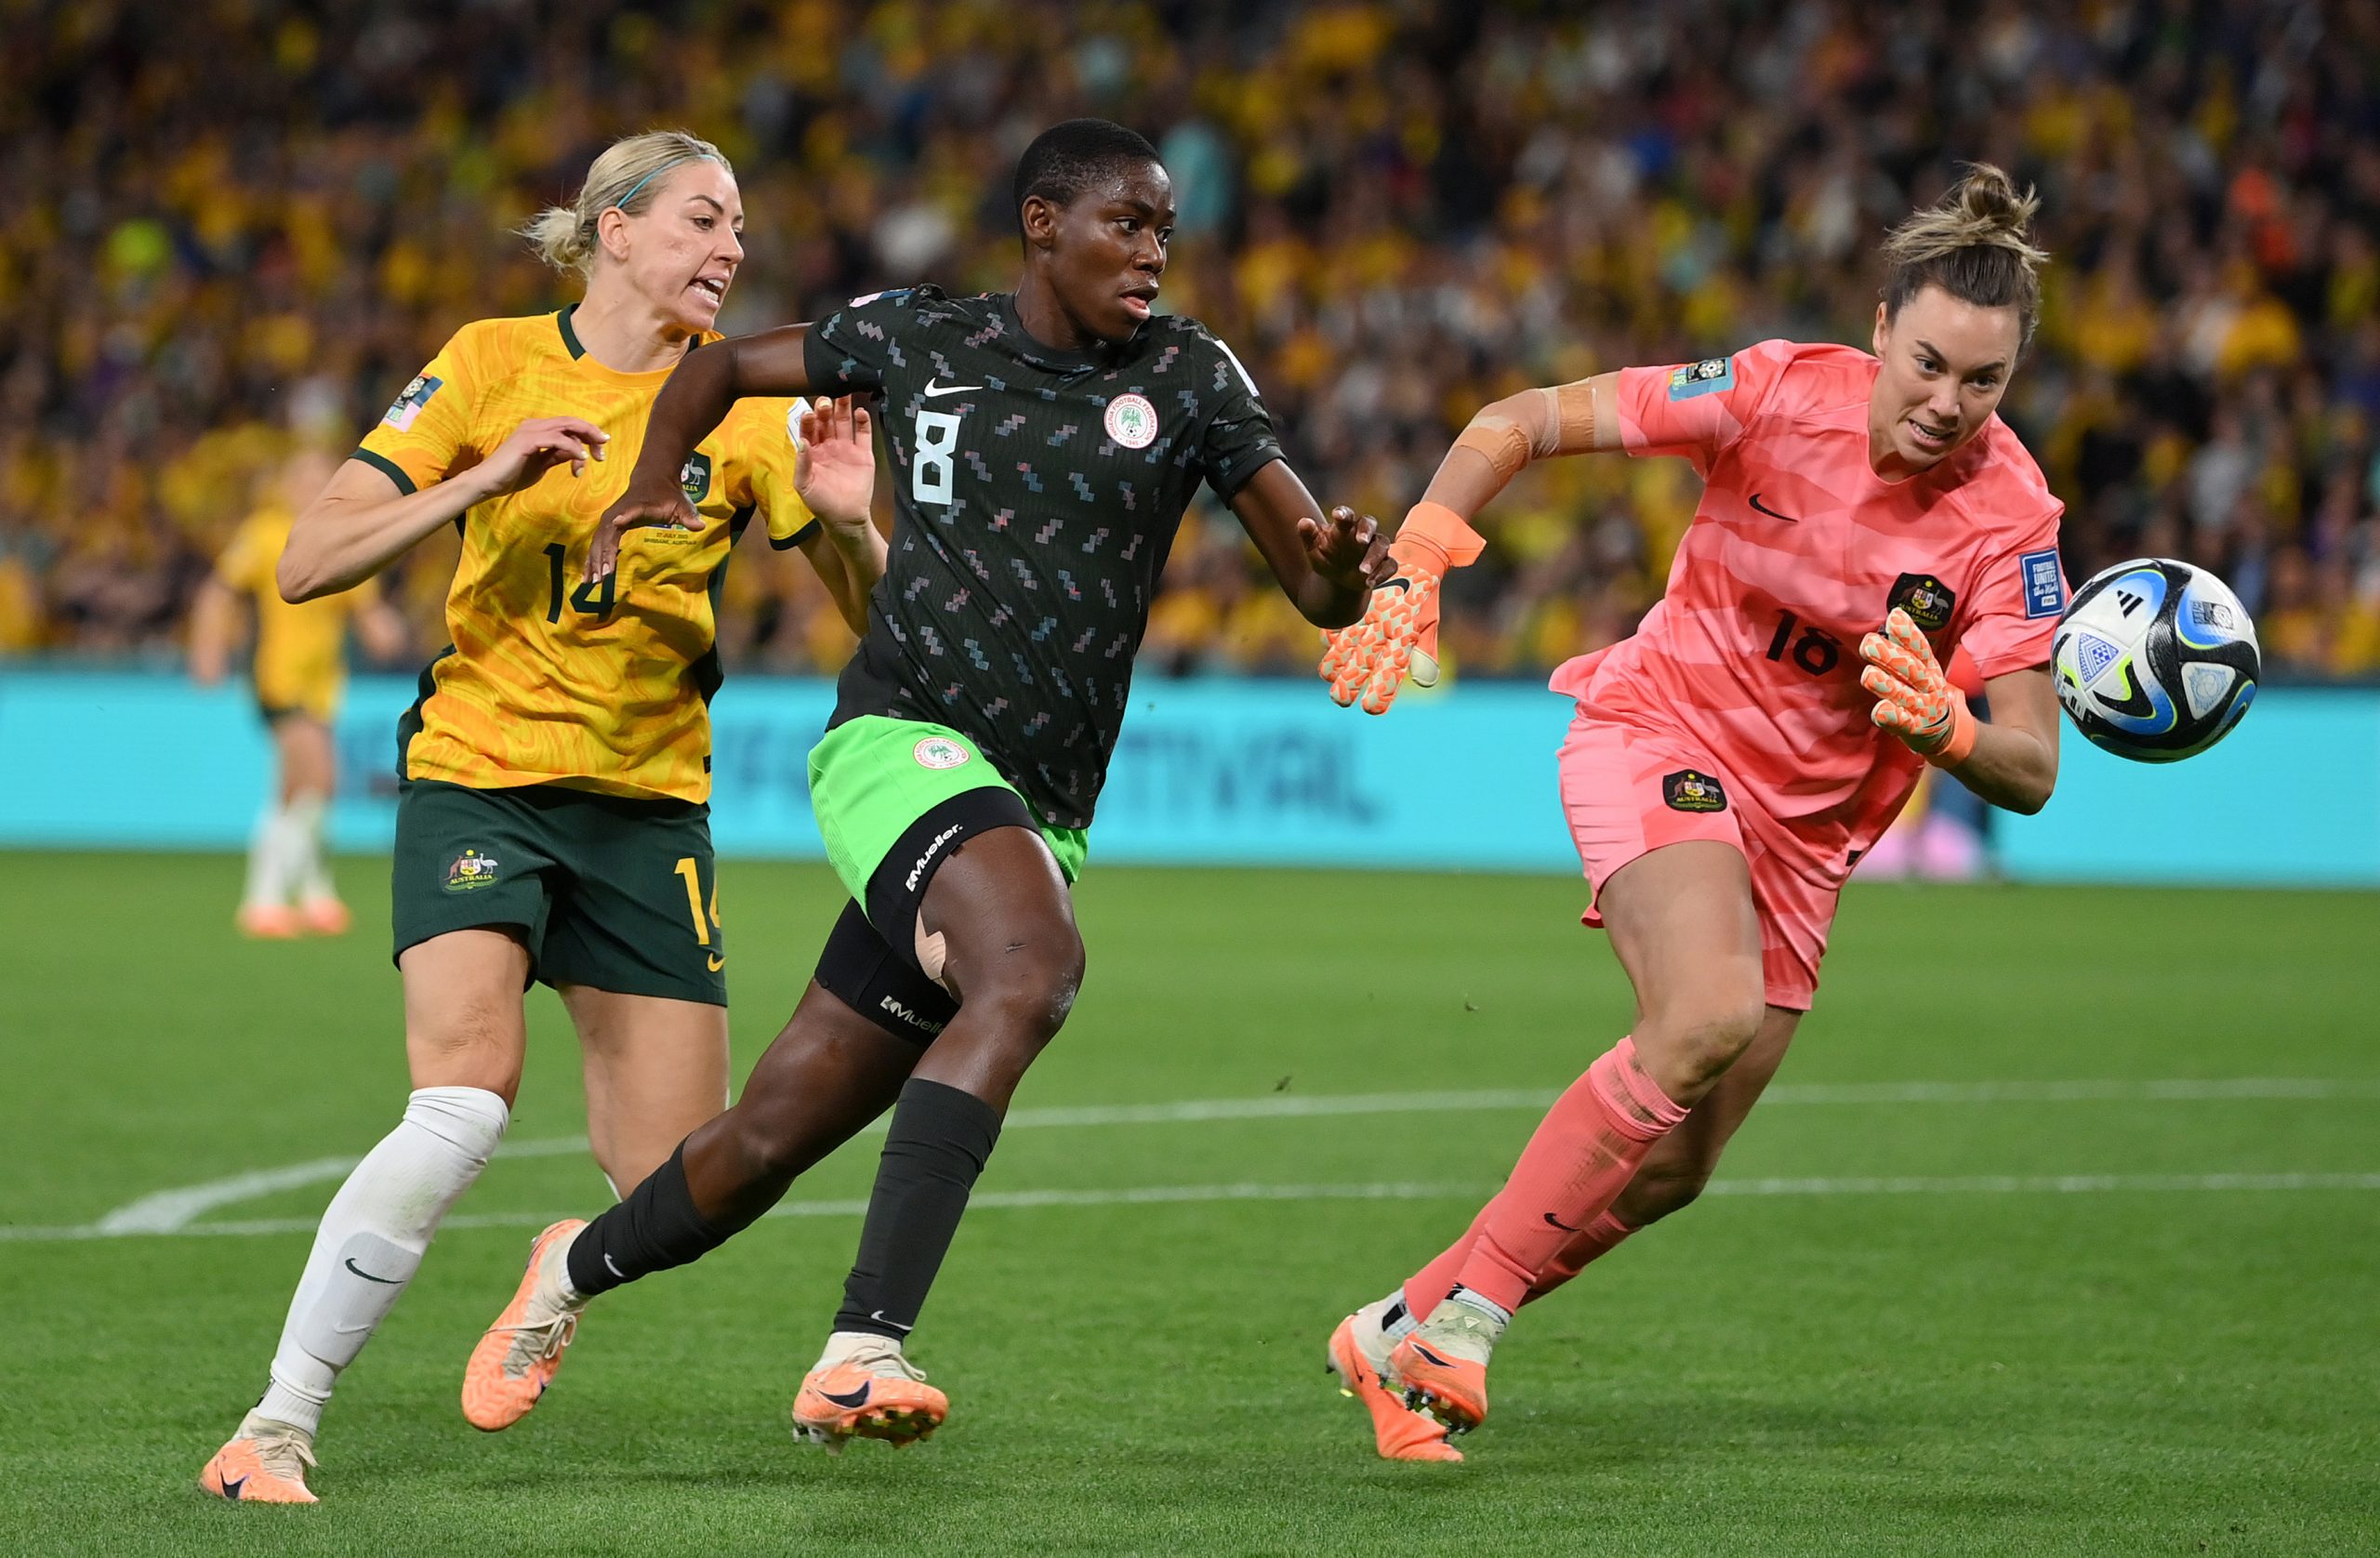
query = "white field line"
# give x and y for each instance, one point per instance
(1979, 1184)
(168, 1212)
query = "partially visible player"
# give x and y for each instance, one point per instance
(1730, 762)
(1044, 445)
(552, 822)
(299, 672)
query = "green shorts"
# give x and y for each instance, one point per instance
(894, 797)
(609, 892)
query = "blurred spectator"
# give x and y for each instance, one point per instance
(225, 228)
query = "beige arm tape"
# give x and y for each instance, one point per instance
(1503, 437)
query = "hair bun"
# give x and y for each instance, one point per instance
(1988, 200)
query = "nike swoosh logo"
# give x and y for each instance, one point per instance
(387, 1281)
(717, 962)
(1771, 513)
(231, 1486)
(1564, 1226)
(878, 1317)
(613, 1266)
(933, 390)
(857, 1398)
(1431, 1357)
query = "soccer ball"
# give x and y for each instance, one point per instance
(2156, 660)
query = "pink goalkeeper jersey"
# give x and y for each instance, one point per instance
(1796, 550)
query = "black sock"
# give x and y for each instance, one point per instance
(939, 1142)
(655, 1228)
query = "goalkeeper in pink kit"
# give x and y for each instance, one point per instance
(1863, 517)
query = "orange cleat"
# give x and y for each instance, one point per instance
(324, 916)
(875, 1392)
(516, 1359)
(1398, 1432)
(265, 1463)
(269, 922)
(1444, 1364)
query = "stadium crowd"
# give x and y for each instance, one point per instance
(230, 225)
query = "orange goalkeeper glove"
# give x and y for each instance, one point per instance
(1399, 632)
(1914, 700)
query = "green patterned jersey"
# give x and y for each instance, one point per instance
(1038, 494)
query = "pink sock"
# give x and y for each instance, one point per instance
(1584, 1152)
(1603, 1236)
(1425, 1289)
(1428, 1286)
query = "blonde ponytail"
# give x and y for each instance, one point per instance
(1977, 245)
(628, 176)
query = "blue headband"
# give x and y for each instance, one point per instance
(698, 157)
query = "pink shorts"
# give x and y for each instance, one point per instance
(1627, 790)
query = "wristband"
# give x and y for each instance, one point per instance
(1441, 530)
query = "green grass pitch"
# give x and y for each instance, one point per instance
(1889, 1333)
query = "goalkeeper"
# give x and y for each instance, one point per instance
(1862, 517)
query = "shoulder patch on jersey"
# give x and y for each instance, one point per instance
(1702, 378)
(694, 477)
(1927, 600)
(2044, 588)
(408, 405)
(1131, 421)
(1689, 790)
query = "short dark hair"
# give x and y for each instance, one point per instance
(1066, 159)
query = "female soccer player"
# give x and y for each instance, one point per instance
(298, 676)
(552, 823)
(1728, 763)
(1045, 444)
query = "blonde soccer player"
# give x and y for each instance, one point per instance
(1864, 515)
(298, 672)
(552, 823)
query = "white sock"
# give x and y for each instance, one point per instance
(841, 1345)
(1496, 1313)
(1389, 1314)
(371, 1242)
(308, 873)
(267, 874)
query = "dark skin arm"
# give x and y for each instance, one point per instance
(698, 396)
(1327, 567)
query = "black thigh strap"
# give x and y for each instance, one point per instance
(860, 971)
(900, 883)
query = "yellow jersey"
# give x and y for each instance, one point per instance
(300, 664)
(550, 680)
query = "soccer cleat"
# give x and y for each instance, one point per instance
(269, 922)
(516, 1360)
(875, 1392)
(1358, 1355)
(324, 916)
(1443, 1363)
(265, 1463)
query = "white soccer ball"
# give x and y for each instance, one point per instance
(2156, 660)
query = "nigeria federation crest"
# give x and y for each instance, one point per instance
(938, 751)
(1131, 421)
(694, 477)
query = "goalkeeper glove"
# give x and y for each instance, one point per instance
(1914, 700)
(1399, 632)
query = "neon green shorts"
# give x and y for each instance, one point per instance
(903, 793)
